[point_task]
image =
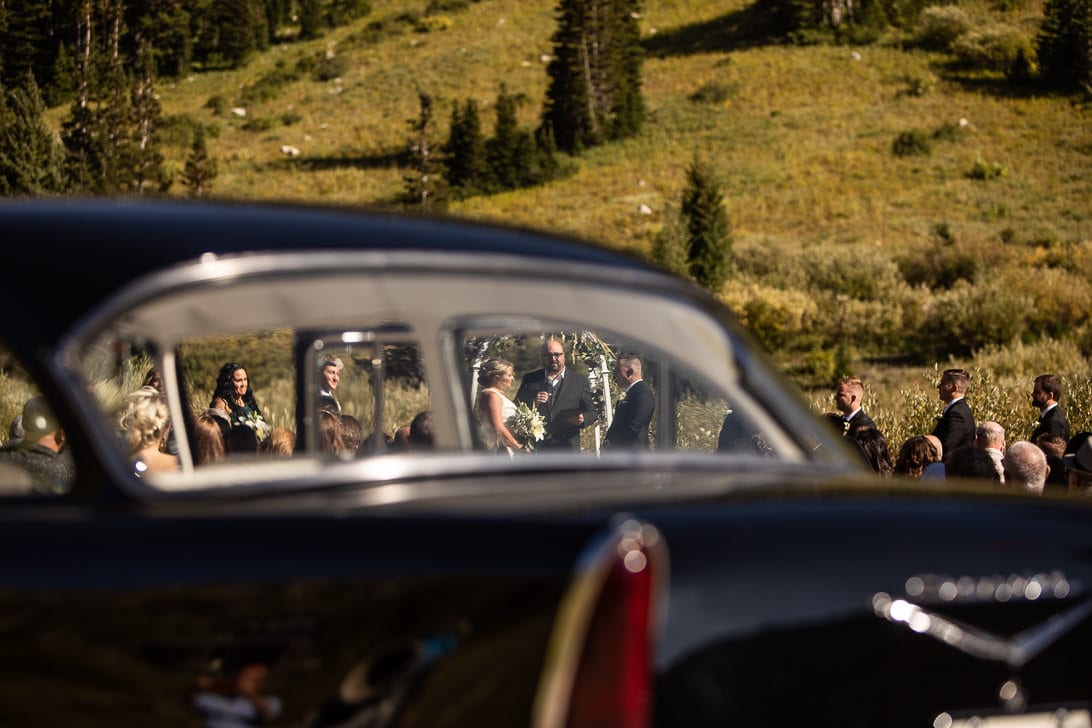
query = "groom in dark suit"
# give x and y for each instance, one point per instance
(562, 396)
(634, 412)
(955, 428)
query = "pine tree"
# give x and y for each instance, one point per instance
(594, 93)
(465, 167)
(709, 237)
(628, 110)
(422, 184)
(502, 149)
(1065, 44)
(147, 114)
(200, 169)
(670, 248)
(312, 20)
(30, 157)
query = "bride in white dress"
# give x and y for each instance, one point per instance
(494, 409)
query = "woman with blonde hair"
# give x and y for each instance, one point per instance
(494, 409)
(145, 423)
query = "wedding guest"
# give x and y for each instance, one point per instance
(329, 376)
(40, 451)
(208, 439)
(331, 433)
(990, 436)
(494, 409)
(420, 431)
(934, 469)
(970, 462)
(144, 423)
(1026, 466)
(872, 447)
(914, 455)
(1078, 463)
(1053, 446)
(352, 434)
(280, 443)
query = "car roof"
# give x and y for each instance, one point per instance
(59, 276)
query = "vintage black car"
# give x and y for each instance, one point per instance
(742, 570)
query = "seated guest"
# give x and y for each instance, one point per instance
(144, 423)
(352, 434)
(40, 452)
(872, 447)
(1026, 466)
(331, 439)
(208, 439)
(1078, 463)
(914, 455)
(935, 469)
(971, 462)
(1053, 446)
(420, 431)
(280, 443)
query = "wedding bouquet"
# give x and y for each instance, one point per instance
(528, 425)
(257, 423)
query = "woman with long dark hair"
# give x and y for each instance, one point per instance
(234, 396)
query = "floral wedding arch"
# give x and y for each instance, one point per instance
(597, 355)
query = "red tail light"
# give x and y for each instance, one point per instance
(599, 671)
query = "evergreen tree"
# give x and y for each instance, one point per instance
(147, 114)
(30, 157)
(1065, 44)
(594, 93)
(708, 235)
(670, 248)
(312, 20)
(63, 86)
(465, 165)
(503, 148)
(200, 169)
(628, 112)
(422, 184)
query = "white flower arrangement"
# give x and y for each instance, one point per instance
(257, 423)
(528, 425)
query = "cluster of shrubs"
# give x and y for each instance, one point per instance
(826, 306)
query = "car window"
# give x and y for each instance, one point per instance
(35, 457)
(591, 391)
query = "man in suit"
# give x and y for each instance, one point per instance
(955, 428)
(634, 412)
(562, 396)
(1045, 394)
(848, 397)
(329, 376)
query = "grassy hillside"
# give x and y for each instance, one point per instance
(803, 139)
(802, 136)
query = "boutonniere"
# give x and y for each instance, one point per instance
(845, 426)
